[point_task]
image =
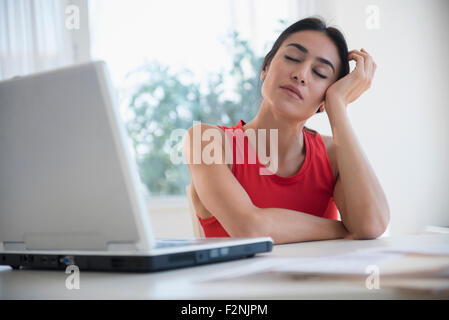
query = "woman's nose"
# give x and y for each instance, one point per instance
(300, 74)
(302, 79)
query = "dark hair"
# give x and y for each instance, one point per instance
(317, 24)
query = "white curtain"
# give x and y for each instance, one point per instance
(33, 36)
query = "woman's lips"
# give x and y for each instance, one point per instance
(291, 93)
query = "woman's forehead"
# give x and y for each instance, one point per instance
(317, 44)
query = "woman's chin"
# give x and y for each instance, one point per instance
(288, 110)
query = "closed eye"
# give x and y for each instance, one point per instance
(296, 60)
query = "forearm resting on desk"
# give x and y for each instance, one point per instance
(287, 226)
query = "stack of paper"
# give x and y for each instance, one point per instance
(353, 263)
(429, 261)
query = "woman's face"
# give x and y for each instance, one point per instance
(307, 60)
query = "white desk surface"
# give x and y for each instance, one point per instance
(183, 284)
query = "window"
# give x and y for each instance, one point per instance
(33, 37)
(175, 62)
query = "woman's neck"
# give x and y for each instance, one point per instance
(290, 137)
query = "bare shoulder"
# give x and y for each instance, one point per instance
(205, 127)
(331, 154)
(204, 133)
(203, 136)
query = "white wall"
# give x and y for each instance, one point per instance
(401, 121)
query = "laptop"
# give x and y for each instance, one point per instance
(70, 193)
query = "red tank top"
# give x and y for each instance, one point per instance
(310, 190)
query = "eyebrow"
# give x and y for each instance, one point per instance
(301, 48)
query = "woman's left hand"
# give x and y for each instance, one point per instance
(349, 88)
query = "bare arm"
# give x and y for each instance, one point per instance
(358, 194)
(359, 197)
(286, 226)
(231, 205)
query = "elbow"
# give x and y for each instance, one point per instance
(369, 233)
(375, 227)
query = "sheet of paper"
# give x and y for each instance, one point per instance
(358, 262)
(414, 265)
(353, 263)
(387, 261)
(431, 249)
(428, 285)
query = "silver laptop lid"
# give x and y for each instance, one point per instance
(67, 178)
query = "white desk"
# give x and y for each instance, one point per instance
(182, 283)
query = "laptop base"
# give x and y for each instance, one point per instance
(133, 263)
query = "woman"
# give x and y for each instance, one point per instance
(306, 71)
